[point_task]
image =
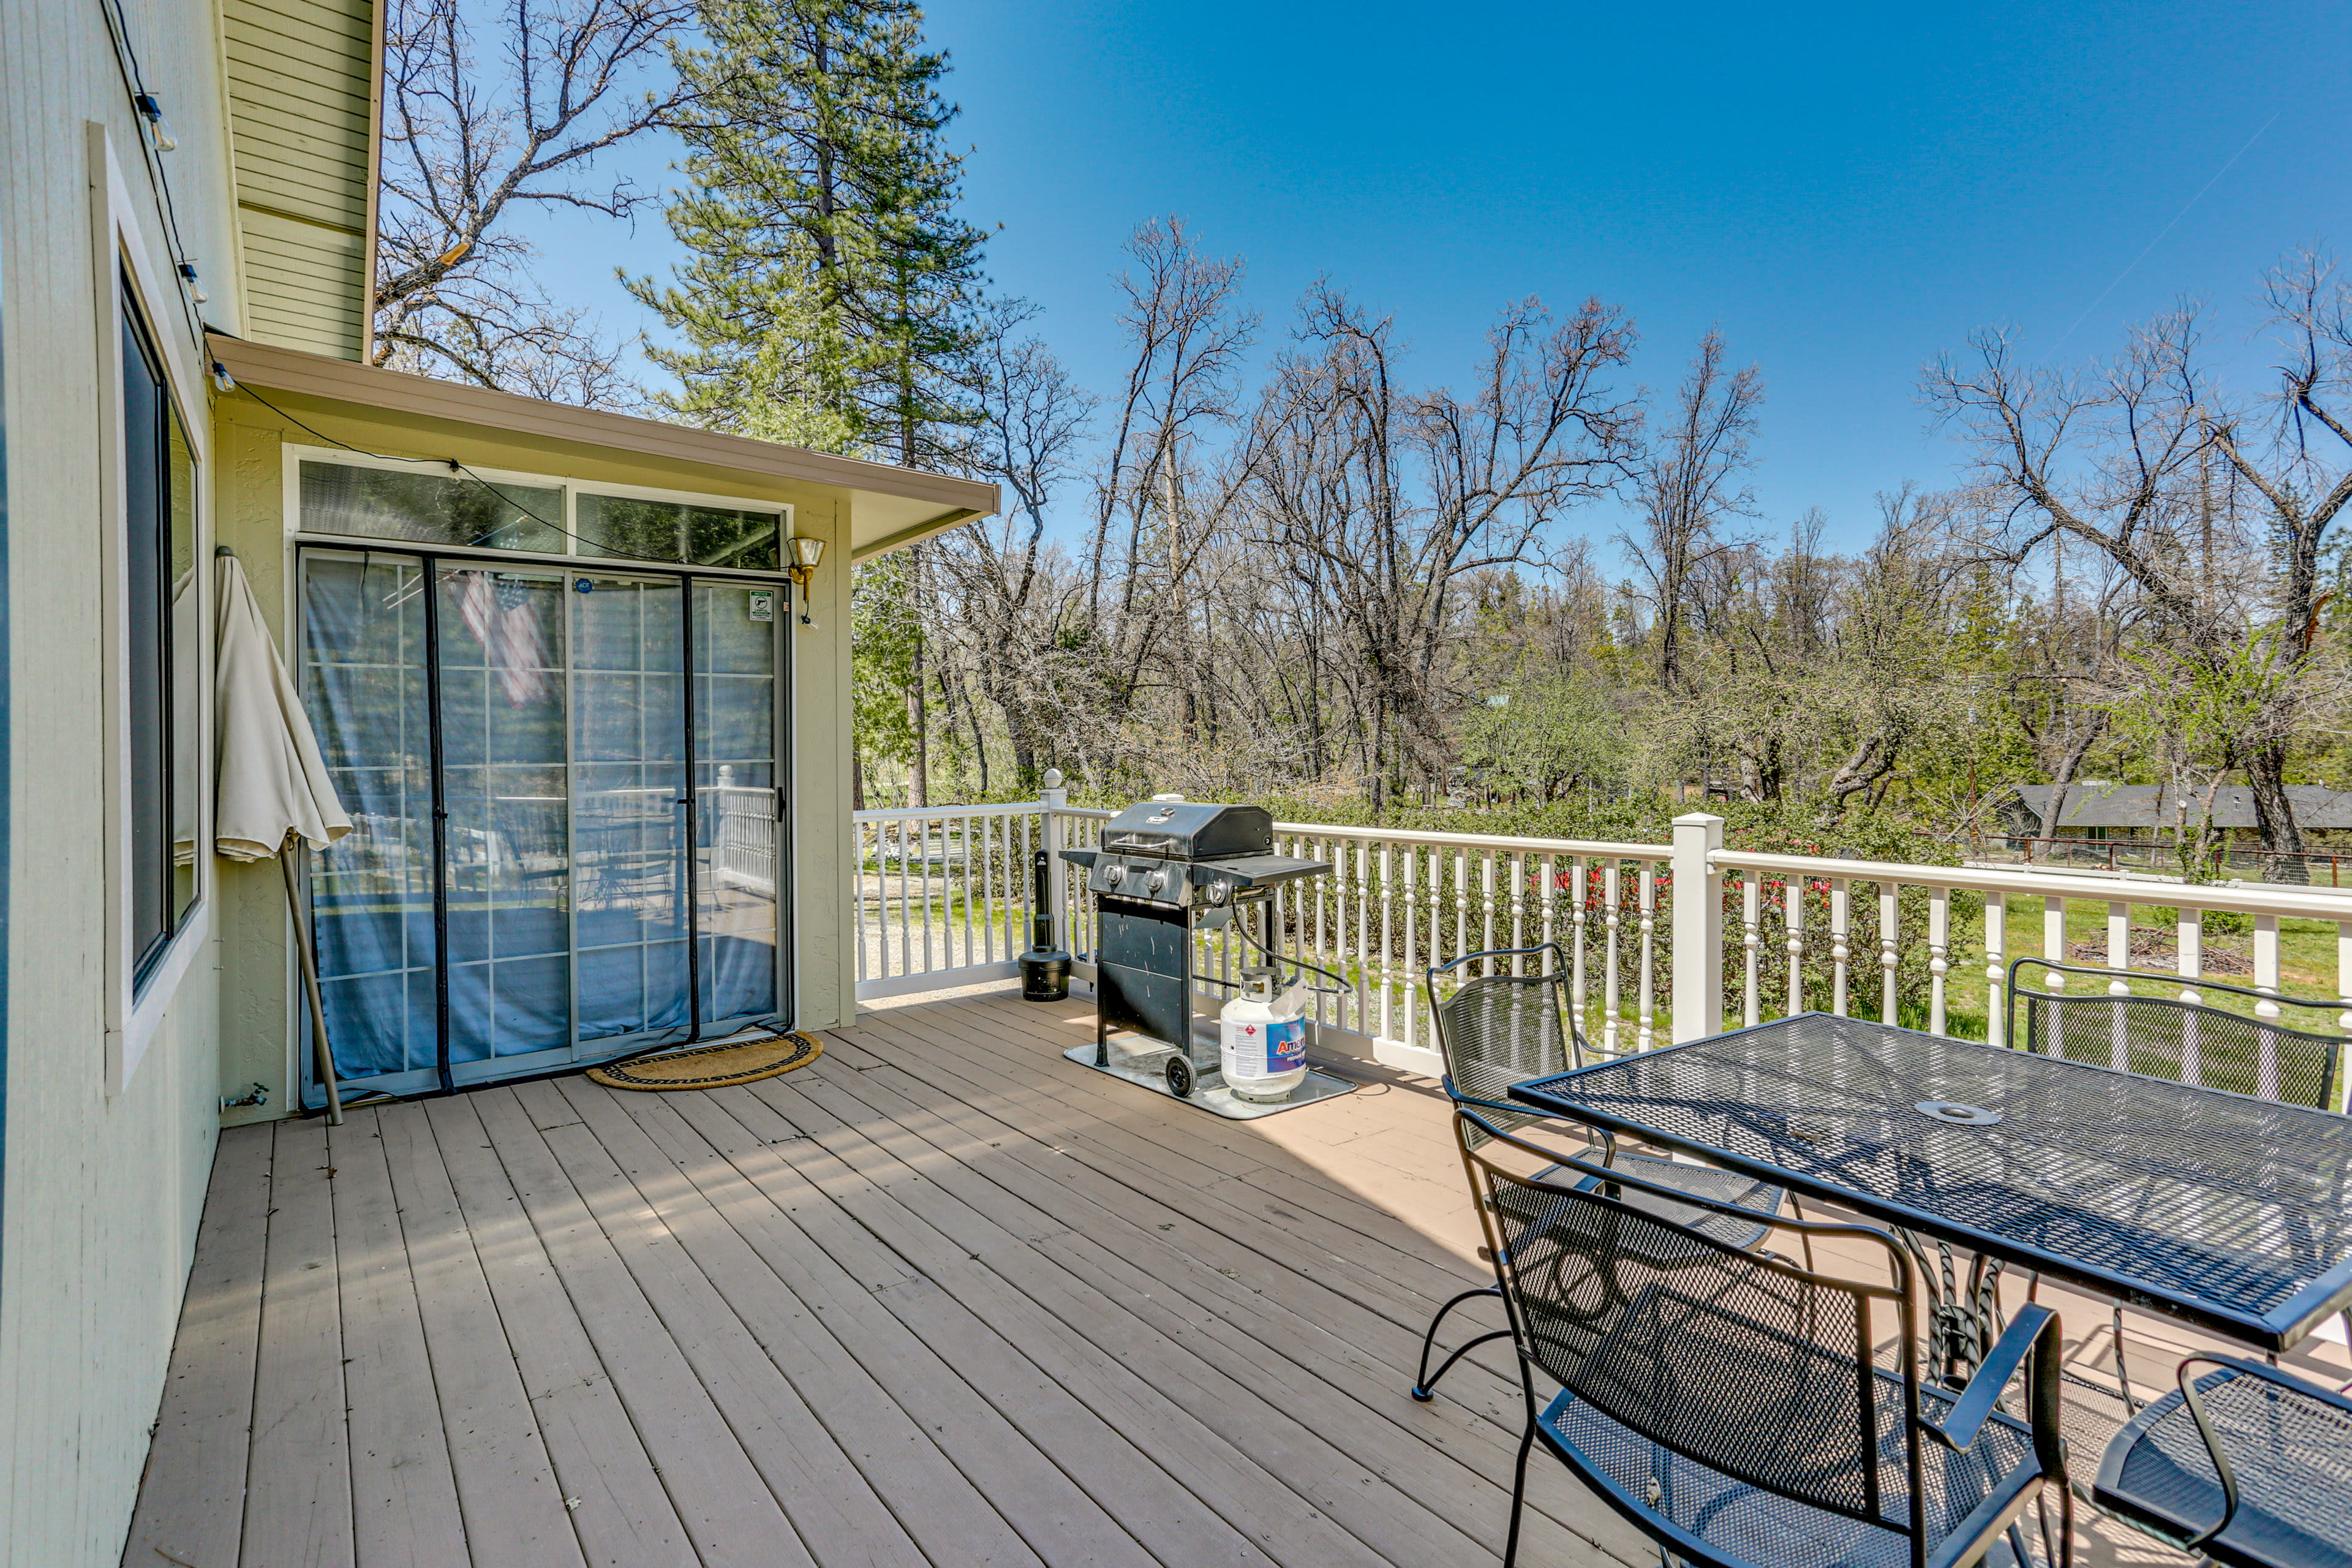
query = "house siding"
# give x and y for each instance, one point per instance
(102, 1191)
(300, 77)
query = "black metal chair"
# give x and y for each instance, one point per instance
(1730, 1402)
(1500, 1028)
(2294, 1055)
(2245, 1465)
(2071, 1012)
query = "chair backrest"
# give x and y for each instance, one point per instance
(2294, 1055)
(1736, 1358)
(1498, 1028)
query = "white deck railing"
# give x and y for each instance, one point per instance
(945, 899)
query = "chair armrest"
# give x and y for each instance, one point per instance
(1962, 1423)
(1591, 1136)
(2244, 1367)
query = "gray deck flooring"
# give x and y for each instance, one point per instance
(940, 1298)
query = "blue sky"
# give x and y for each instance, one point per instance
(1845, 191)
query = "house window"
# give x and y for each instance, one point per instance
(633, 529)
(431, 509)
(433, 505)
(162, 697)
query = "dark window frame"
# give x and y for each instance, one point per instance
(155, 731)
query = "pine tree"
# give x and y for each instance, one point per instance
(829, 297)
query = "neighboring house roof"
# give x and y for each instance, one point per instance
(893, 506)
(2151, 805)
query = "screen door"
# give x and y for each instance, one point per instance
(567, 839)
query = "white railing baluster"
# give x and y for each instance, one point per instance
(1648, 1001)
(2266, 964)
(1580, 918)
(1751, 943)
(1461, 903)
(857, 839)
(1939, 949)
(1387, 949)
(1890, 915)
(969, 926)
(1437, 911)
(2054, 937)
(1548, 868)
(2118, 949)
(1610, 1003)
(1487, 904)
(1840, 937)
(906, 908)
(1996, 970)
(1364, 1020)
(1323, 1004)
(1792, 907)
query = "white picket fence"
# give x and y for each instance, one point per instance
(945, 896)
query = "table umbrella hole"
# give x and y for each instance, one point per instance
(1960, 1115)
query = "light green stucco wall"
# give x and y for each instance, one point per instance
(257, 978)
(102, 1190)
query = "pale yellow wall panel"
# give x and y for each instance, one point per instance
(298, 78)
(325, 81)
(328, 64)
(286, 187)
(281, 112)
(343, 47)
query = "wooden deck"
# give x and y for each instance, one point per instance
(940, 1298)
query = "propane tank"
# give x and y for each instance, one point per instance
(1263, 1038)
(1045, 968)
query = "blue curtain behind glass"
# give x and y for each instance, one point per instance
(735, 840)
(563, 767)
(371, 892)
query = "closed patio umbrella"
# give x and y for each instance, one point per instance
(272, 787)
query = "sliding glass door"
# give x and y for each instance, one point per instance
(568, 829)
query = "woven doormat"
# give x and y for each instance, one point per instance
(712, 1066)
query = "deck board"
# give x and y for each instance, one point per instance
(939, 1298)
(405, 1513)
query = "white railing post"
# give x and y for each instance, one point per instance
(1996, 942)
(1697, 929)
(1051, 801)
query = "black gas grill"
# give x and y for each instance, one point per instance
(1165, 869)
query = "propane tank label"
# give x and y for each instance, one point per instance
(1286, 1045)
(1255, 1050)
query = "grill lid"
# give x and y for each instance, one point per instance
(1188, 830)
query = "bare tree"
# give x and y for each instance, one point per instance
(2121, 458)
(1011, 594)
(468, 144)
(1394, 496)
(1690, 485)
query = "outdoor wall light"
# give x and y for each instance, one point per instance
(158, 127)
(806, 553)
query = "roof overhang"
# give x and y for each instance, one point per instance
(890, 507)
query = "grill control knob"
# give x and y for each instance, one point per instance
(1159, 879)
(1220, 890)
(1113, 872)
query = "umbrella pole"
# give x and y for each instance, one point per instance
(310, 989)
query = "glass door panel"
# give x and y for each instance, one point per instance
(587, 909)
(507, 789)
(364, 668)
(738, 871)
(628, 824)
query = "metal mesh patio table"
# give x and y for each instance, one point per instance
(2226, 1211)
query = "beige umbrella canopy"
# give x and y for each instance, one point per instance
(272, 787)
